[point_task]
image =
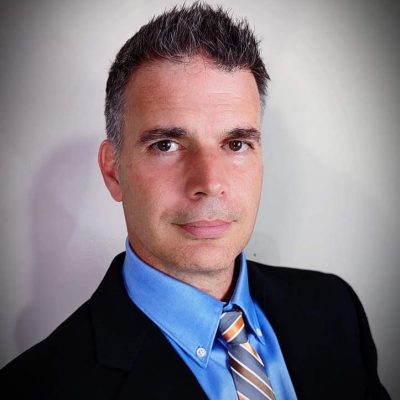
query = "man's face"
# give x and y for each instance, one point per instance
(191, 166)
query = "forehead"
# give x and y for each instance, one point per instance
(191, 92)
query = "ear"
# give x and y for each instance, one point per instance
(108, 167)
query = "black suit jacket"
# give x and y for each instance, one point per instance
(108, 349)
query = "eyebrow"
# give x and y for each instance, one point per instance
(155, 134)
(251, 134)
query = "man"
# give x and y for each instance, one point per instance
(182, 314)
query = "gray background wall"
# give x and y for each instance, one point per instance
(331, 143)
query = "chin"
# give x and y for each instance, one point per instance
(207, 257)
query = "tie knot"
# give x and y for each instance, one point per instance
(231, 327)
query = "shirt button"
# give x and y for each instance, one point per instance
(201, 352)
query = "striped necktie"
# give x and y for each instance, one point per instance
(247, 368)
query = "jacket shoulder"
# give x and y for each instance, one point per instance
(330, 323)
(65, 364)
(299, 279)
(33, 369)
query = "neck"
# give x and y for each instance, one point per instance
(217, 280)
(219, 284)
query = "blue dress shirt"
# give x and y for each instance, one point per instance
(189, 319)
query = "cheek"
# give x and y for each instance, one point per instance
(248, 188)
(150, 190)
(248, 176)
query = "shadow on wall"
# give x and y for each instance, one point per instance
(58, 280)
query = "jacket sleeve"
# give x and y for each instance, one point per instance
(375, 390)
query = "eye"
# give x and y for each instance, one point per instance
(166, 146)
(238, 145)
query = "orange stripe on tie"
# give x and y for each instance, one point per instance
(242, 396)
(234, 329)
(253, 378)
(252, 351)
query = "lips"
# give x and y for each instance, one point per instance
(206, 229)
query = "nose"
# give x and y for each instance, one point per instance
(205, 175)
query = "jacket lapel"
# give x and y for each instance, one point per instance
(128, 341)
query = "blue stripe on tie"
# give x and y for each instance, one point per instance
(246, 388)
(247, 359)
(227, 320)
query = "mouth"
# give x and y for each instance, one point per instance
(206, 229)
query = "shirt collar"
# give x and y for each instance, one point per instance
(163, 298)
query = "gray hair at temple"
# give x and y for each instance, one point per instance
(176, 36)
